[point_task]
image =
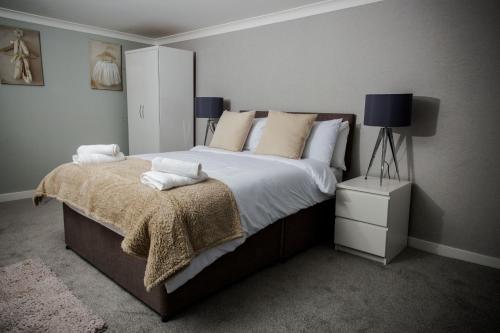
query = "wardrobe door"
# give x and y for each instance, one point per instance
(142, 101)
(176, 99)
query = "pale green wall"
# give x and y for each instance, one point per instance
(41, 127)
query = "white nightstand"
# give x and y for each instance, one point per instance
(372, 220)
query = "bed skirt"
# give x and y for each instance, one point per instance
(100, 246)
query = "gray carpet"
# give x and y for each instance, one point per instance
(318, 290)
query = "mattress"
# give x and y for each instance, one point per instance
(266, 189)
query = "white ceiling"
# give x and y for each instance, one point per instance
(152, 18)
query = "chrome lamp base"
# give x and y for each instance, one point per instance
(384, 135)
(210, 124)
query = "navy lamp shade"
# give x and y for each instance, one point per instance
(208, 107)
(211, 108)
(387, 111)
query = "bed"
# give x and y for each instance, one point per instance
(269, 241)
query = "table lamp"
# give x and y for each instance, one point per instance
(211, 108)
(387, 111)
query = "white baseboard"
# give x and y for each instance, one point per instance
(16, 195)
(453, 252)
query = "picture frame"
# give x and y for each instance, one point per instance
(105, 65)
(20, 57)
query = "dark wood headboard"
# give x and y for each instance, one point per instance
(351, 118)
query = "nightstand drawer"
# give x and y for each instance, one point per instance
(360, 236)
(361, 206)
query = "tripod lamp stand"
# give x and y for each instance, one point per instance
(387, 111)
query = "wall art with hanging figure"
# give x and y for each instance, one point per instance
(105, 65)
(20, 56)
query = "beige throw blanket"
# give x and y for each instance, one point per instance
(168, 228)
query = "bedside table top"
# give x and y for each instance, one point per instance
(372, 185)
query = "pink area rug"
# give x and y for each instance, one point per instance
(33, 299)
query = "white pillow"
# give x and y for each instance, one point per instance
(338, 159)
(255, 134)
(321, 141)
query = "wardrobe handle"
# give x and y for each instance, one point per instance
(141, 111)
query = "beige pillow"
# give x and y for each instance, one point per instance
(232, 130)
(285, 134)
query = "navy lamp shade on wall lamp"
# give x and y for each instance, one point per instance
(211, 108)
(387, 111)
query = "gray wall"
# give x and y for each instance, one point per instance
(445, 52)
(41, 127)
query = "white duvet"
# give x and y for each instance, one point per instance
(266, 189)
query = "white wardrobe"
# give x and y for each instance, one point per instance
(159, 99)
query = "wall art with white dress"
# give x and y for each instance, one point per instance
(105, 65)
(20, 57)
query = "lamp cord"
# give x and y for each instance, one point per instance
(388, 169)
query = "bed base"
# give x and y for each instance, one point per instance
(100, 247)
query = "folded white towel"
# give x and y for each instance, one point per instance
(164, 181)
(112, 149)
(181, 168)
(97, 158)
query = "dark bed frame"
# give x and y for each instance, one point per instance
(100, 246)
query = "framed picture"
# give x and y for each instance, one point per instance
(105, 65)
(20, 57)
